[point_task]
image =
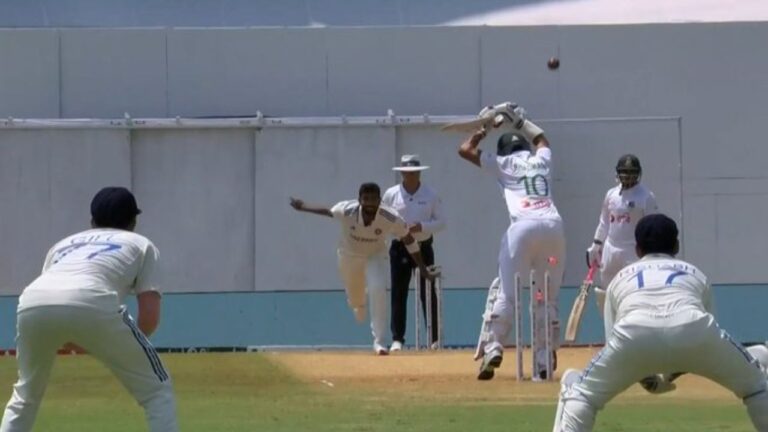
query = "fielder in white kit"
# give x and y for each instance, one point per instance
(613, 246)
(363, 255)
(760, 353)
(658, 318)
(78, 300)
(535, 239)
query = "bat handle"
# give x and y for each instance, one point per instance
(591, 272)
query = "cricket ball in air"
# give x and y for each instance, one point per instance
(553, 63)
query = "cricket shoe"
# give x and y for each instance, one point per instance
(543, 368)
(380, 349)
(396, 346)
(491, 360)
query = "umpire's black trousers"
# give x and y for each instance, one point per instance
(401, 265)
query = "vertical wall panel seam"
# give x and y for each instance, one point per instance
(558, 92)
(254, 142)
(682, 180)
(167, 77)
(327, 75)
(61, 81)
(480, 68)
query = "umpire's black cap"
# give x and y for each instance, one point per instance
(114, 207)
(656, 233)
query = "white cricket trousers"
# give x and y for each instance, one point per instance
(529, 244)
(111, 337)
(614, 259)
(358, 272)
(643, 344)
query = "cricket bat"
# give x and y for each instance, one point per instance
(469, 126)
(577, 311)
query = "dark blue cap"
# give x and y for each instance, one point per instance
(114, 207)
(656, 233)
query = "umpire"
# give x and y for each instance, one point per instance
(421, 208)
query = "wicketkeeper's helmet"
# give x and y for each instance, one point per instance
(628, 170)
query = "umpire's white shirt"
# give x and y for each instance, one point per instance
(94, 268)
(357, 238)
(422, 207)
(658, 286)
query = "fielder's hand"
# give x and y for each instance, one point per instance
(658, 384)
(297, 204)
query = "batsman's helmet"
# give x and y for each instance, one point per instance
(510, 143)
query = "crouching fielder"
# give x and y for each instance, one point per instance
(77, 300)
(658, 318)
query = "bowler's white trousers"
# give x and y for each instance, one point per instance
(111, 337)
(360, 271)
(644, 344)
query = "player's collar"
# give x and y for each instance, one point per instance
(630, 189)
(360, 219)
(404, 192)
(656, 256)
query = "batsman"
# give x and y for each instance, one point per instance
(534, 240)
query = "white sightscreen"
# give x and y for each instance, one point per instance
(215, 201)
(297, 251)
(195, 188)
(47, 180)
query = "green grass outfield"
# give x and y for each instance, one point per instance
(257, 392)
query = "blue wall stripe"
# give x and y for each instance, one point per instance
(322, 318)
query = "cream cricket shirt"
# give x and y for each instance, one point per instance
(526, 180)
(657, 285)
(94, 268)
(358, 239)
(620, 213)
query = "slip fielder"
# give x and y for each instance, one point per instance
(658, 318)
(78, 300)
